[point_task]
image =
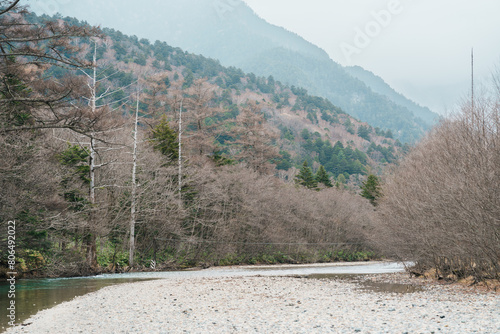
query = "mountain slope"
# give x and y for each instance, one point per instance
(379, 86)
(230, 31)
(307, 127)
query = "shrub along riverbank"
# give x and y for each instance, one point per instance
(232, 215)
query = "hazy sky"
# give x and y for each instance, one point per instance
(420, 47)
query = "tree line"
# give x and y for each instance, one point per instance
(111, 165)
(102, 176)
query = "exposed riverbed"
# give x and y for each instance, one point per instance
(204, 302)
(34, 295)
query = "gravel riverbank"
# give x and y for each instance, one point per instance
(269, 305)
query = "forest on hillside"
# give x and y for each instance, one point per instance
(118, 153)
(120, 163)
(244, 40)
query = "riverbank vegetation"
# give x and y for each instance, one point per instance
(441, 206)
(119, 154)
(133, 162)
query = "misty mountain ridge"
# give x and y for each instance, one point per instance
(306, 128)
(379, 86)
(230, 31)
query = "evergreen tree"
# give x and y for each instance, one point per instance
(364, 132)
(371, 189)
(306, 177)
(188, 79)
(322, 177)
(164, 139)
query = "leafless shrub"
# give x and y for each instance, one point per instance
(442, 205)
(244, 212)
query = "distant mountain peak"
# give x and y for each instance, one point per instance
(230, 31)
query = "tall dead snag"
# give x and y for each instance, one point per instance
(133, 195)
(99, 140)
(31, 101)
(153, 175)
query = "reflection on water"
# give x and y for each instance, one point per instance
(35, 295)
(38, 294)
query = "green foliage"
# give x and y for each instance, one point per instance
(305, 134)
(75, 196)
(312, 117)
(221, 160)
(306, 177)
(31, 259)
(349, 126)
(272, 256)
(167, 82)
(140, 60)
(76, 157)
(322, 177)
(123, 79)
(337, 159)
(164, 140)
(364, 132)
(188, 79)
(382, 133)
(284, 162)
(33, 236)
(287, 134)
(387, 152)
(313, 104)
(120, 50)
(371, 189)
(17, 116)
(112, 256)
(351, 256)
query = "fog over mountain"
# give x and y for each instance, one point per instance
(421, 48)
(229, 30)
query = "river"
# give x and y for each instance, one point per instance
(33, 295)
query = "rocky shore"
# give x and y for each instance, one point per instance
(271, 305)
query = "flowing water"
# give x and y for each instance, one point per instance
(38, 294)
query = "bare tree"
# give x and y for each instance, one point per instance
(442, 205)
(254, 140)
(133, 196)
(200, 113)
(27, 99)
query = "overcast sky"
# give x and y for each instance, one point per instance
(422, 48)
